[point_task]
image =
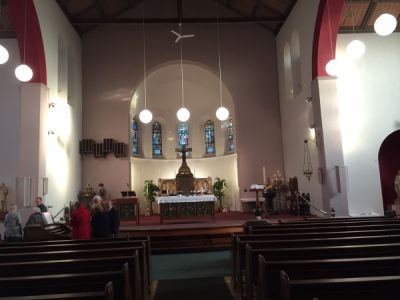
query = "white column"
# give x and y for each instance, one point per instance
(33, 135)
(329, 141)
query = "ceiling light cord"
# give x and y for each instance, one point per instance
(144, 59)
(330, 29)
(219, 59)
(25, 13)
(181, 56)
(352, 15)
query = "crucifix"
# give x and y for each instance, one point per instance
(184, 169)
(184, 178)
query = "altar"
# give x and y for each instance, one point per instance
(186, 206)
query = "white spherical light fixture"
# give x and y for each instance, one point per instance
(385, 24)
(355, 49)
(332, 67)
(145, 116)
(183, 114)
(23, 73)
(3, 55)
(222, 113)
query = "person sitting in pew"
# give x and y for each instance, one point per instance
(80, 222)
(36, 217)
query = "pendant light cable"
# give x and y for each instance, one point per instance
(330, 29)
(219, 58)
(144, 59)
(180, 46)
(25, 13)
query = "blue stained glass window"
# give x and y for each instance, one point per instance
(156, 138)
(135, 137)
(230, 146)
(183, 135)
(209, 133)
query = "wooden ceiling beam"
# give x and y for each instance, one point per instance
(78, 21)
(8, 34)
(272, 9)
(255, 8)
(368, 14)
(100, 7)
(287, 12)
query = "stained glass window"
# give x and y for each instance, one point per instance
(183, 136)
(209, 134)
(135, 137)
(230, 146)
(156, 137)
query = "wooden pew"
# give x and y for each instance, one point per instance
(107, 294)
(264, 241)
(340, 219)
(355, 288)
(337, 227)
(87, 253)
(79, 265)
(80, 244)
(307, 253)
(66, 283)
(269, 271)
(289, 236)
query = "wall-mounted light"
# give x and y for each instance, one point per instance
(51, 118)
(311, 126)
(308, 99)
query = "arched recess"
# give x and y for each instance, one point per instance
(287, 67)
(29, 40)
(325, 34)
(201, 91)
(296, 63)
(389, 163)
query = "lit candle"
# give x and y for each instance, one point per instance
(264, 176)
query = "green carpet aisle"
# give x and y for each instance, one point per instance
(193, 289)
(191, 265)
(191, 276)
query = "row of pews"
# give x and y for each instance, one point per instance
(76, 269)
(318, 259)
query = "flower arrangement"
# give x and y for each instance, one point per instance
(150, 191)
(258, 212)
(219, 190)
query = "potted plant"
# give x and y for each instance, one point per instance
(150, 192)
(219, 190)
(258, 213)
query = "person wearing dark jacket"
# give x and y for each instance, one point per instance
(100, 223)
(36, 217)
(114, 218)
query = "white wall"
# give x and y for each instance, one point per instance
(63, 160)
(369, 107)
(113, 64)
(296, 114)
(9, 119)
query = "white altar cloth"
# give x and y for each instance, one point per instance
(185, 199)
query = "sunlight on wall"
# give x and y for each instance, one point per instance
(59, 120)
(351, 116)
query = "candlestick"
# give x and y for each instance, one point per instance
(264, 176)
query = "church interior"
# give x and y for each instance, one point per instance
(195, 117)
